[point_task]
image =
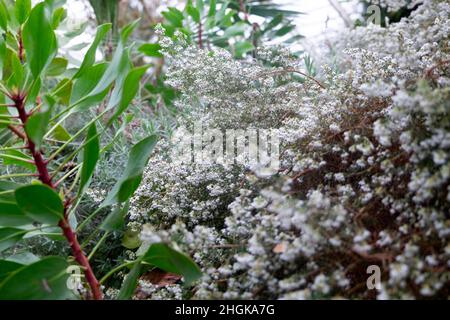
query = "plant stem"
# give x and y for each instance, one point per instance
(44, 177)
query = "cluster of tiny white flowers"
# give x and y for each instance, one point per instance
(364, 178)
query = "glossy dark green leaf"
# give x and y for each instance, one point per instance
(174, 16)
(7, 267)
(132, 175)
(91, 153)
(57, 67)
(40, 203)
(151, 49)
(22, 9)
(89, 58)
(9, 237)
(7, 190)
(45, 279)
(170, 260)
(130, 283)
(39, 40)
(37, 124)
(12, 216)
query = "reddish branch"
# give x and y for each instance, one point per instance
(20, 46)
(200, 35)
(44, 177)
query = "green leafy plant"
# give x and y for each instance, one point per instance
(39, 195)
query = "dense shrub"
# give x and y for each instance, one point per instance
(364, 179)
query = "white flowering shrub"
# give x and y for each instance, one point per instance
(364, 177)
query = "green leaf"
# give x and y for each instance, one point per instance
(115, 220)
(235, 30)
(132, 176)
(17, 77)
(119, 65)
(130, 88)
(8, 187)
(40, 203)
(83, 86)
(89, 58)
(212, 8)
(131, 239)
(17, 159)
(63, 90)
(22, 9)
(45, 279)
(57, 17)
(4, 16)
(12, 216)
(130, 282)
(60, 134)
(57, 67)
(91, 153)
(39, 40)
(9, 237)
(37, 124)
(162, 256)
(242, 47)
(7, 267)
(151, 49)
(194, 13)
(174, 16)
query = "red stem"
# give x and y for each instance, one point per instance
(200, 35)
(20, 45)
(44, 176)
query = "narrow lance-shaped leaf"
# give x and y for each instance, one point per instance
(22, 9)
(40, 203)
(130, 283)
(39, 40)
(132, 175)
(130, 88)
(37, 124)
(120, 61)
(116, 219)
(4, 17)
(89, 58)
(91, 154)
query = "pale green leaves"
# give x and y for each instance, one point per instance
(39, 40)
(132, 176)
